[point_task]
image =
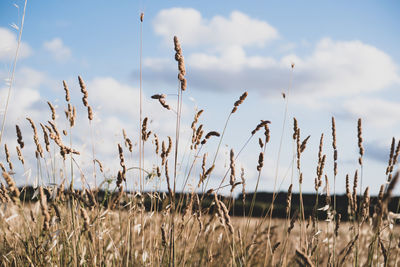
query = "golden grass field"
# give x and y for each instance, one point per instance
(67, 226)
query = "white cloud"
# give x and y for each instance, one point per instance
(232, 59)
(25, 97)
(8, 46)
(333, 69)
(221, 60)
(30, 78)
(378, 112)
(58, 49)
(193, 30)
(339, 68)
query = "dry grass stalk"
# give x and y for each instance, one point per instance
(384, 251)
(90, 113)
(5, 198)
(100, 165)
(120, 178)
(67, 97)
(389, 190)
(57, 211)
(275, 246)
(232, 168)
(321, 144)
(170, 192)
(293, 220)
(304, 144)
(181, 63)
(46, 138)
(2, 167)
(54, 129)
(128, 142)
(116, 200)
(19, 137)
(8, 156)
(391, 156)
(260, 143)
(337, 224)
(320, 171)
(39, 149)
(335, 153)
(327, 191)
(86, 220)
(365, 204)
(168, 151)
(259, 126)
(158, 171)
(163, 236)
(61, 192)
(396, 153)
(360, 140)
(347, 250)
(197, 209)
(145, 134)
(45, 209)
(227, 217)
(223, 214)
(56, 137)
(199, 134)
(203, 164)
(85, 98)
(355, 182)
(239, 102)
(84, 91)
(156, 143)
(302, 259)
(12, 186)
(208, 135)
(298, 151)
(70, 113)
(289, 199)
(267, 133)
(260, 161)
(20, 156)
(164, 103)
(295, 128)
(163, 154)
(158, 96)
(53, 111)
(91, 197)
(243, 187)
(33, 218)
(193, 127)
(348, 194)
(204, 176)
(121, 158)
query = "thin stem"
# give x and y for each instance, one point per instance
(13, 72)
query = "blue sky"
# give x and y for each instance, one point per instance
(346, 65)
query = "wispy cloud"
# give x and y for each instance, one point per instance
(8, 46)
(58, 49)
(219, 58)
(375, 111)
(333, 69)
(218, 32)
